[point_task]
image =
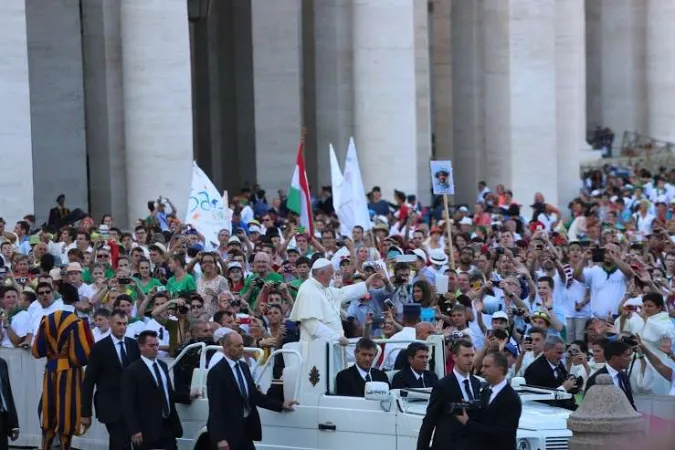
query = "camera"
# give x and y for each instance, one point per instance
(578, 384)
(235, 303)
(22, 280)
(258, 283)
(183, 309)
(527, 340)
(399, 280)
(468, 406)
(629, 340)
(517, 311)
(275, 284)
(124, 280)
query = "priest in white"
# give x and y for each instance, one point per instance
(318, 306)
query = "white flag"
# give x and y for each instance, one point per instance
(353, 209)
(335, 177)
(206, 210)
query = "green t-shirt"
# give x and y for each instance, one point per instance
(187, 284)
(248, 285)
(294, 286)
(153, 283)
(86, 274)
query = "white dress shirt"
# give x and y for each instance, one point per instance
(246, 387)
(496, 390)
(98, 334)
(363, 373)
(614, 374)
(116, 343)
(460, 380)
(150, 363)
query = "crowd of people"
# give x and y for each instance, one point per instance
(562, 295)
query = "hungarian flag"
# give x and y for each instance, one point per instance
(299, 199)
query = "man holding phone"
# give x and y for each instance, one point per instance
(606, 279)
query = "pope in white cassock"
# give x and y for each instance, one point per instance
(318, 305)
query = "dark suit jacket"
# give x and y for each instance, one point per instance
(626, 382)
(226, 420)
(449, 431)
(142, 402)
(406, 379)
(495, 427)
(104, 371)
(539, 373)
(12, 418)
(349, 382)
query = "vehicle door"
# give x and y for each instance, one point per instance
(350, 423)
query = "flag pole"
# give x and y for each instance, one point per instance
(448, 228)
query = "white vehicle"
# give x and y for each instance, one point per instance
(383, 420)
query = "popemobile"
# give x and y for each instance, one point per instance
(383, 420)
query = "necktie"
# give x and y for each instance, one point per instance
(485, 396)
(420, 381)
(242, 385)
(160, 384)
(368, 379)
(123, 355)
(622, 381)
(467, 389)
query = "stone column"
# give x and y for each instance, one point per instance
(520, 97)
(593, 64)
(157, 102)
(571, 96)
(334, 81)
(277, 85)
(57, 104)
(623, 84)
(441, 78)
(605, 419)
(660, 69)
(16, 170)
(104, 100)
(391, 95)
(468, 116)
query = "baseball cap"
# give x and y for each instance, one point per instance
(500, 315)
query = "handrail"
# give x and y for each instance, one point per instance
(270, 361)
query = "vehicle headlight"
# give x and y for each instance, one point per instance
(523, 444)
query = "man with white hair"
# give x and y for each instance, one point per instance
(318, 306)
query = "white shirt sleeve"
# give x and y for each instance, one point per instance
(319, 331)
(355, 291)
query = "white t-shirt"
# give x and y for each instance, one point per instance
(39, 312)
(607, 290)
(573, 295)
(21, 325)
(98, 334)
(644, 224)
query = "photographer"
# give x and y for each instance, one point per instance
(457, 387)
(261, 273)
(548, 371)
(402, 288)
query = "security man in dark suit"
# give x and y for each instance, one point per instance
(108, 359)
(416, 374)
(496, 425)
(548, 371)
(351, 382)
(618, 356)
(456, 387)
(234, 422)
(148, 399)
(9, 421)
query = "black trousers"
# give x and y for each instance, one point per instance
(166, 442)
(246, 446)
(4, 441)
(118, 436)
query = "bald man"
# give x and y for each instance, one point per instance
(318, 306)
(262, 277)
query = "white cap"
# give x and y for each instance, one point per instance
(321, 263)
(466, 221)
(233, 240)
(500, 315)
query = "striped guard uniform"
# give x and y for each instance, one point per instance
(66, 341)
